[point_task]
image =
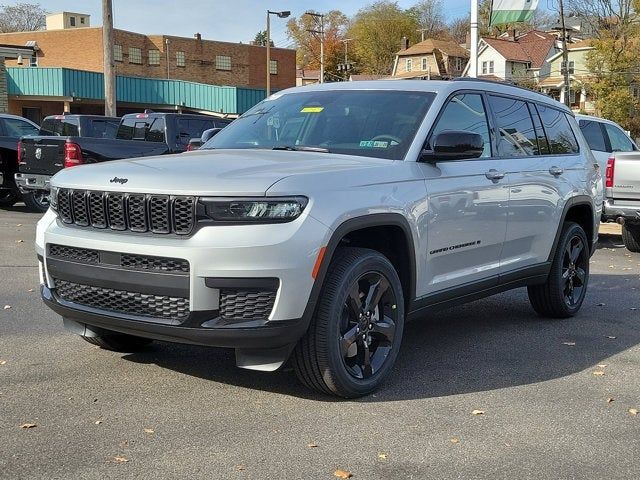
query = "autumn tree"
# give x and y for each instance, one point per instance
(429, 14)
(377, 31)
(22, 17)
(303, 31)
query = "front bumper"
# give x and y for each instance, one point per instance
(32, 181)
(613, 210)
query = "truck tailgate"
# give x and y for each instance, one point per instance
(626, 177)
(42, 155)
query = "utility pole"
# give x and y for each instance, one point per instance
(283, 14)
(108, 66)
(473, 61)
(320, 33)
(422, 30)
(565, 59)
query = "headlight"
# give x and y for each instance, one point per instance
(53, 198)
(254, 210)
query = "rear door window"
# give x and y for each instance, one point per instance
(517, 134)
(14, 127)
(618, 139)
(60, 126)
(559, 133)
(465, 112)
(593, 134)
(150, 129)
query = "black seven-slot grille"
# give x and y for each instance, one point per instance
(135, 212)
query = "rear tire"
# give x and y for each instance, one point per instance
(8, 197)
(36, 200)
(631, 237)
(356, 331)
(563, 293)
(118, 342)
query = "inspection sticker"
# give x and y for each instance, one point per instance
(312, 110)
(373, 144)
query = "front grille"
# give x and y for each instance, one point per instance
(133, 212)
(246, 304)
(126, 260)
(120, 301)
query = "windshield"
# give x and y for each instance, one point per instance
(378, 123)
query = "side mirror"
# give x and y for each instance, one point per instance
(209, 134)
(194, 144)
(454, 145)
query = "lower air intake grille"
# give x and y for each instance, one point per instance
(246, 304)
(120, 301)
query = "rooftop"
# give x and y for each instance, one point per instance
(447, 47)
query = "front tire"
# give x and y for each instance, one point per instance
(37, 200)
(118, 342)
(355, 334)
(563, 293)
(631, 237)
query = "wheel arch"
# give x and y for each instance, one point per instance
(580, 210)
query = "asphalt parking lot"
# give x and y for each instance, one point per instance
(175, 411)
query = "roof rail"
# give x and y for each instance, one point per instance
(495, 82)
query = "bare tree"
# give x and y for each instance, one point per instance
(612, 16)
(459, 29)
(22, 17)
(429, 14)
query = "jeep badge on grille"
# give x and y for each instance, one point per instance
(121, 181)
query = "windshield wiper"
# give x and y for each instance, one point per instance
(300, 148)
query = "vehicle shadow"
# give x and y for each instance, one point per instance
(493, 343)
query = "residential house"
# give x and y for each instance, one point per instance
(522, 59)
(554, 84)
(305, 76)
(430, 59)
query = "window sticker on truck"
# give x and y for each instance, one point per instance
(373, 144)
(312, 110)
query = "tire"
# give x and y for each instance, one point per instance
(631, 237)
(36, 200)
(118, 342)
(8, 197)
(332, 355)
(564, 291)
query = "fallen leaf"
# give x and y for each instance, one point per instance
(239, 467)
(600, 305)
(610, 399)
(602, 365)
(3, 362)
(98, 422)
(149, 431)
(633, 309)
(633, 411)
(120, 459)
(20, 241)
(610, 336)
(598, 373)
(7, 307)
(30, 290)
(382, 455)
(342, 474)
(455, 440)
(477, 412)
(570, 344)
(28, 425)
(19, 225)
(312, 445)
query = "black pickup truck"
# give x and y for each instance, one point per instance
(137, 135)
(12, 128)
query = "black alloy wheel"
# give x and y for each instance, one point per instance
(574, 270)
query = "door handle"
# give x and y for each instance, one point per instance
(493, 174)
(555, 171)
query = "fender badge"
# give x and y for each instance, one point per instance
(121, 181)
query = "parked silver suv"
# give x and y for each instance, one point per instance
(321, 220)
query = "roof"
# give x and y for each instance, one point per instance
(532, 47)
(588, 43)
(304, 73)
(430, 44)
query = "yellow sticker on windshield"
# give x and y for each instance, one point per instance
(312, 110)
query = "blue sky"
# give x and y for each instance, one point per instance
(228, 20)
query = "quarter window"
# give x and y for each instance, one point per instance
(517, 135)
(559, 134)
(117, 53)
(154, 57)
(464, 112)
(223, 62)
(135, 55)
(618, 139)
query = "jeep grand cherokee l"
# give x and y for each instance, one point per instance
(318, 223)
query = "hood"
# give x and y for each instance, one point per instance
(207, 172)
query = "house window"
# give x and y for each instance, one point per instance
(409, 65)
(273, 67)
(425, 65)
(491, 66)
(484, 68)
(154, 57)
(72, 21)
(135, 55)
(458, 63)
(223, 62)
(33, 61)
(572, 66)
(81, 20)
(117, 53)
(180, 59)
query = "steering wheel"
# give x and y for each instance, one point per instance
(386, 136)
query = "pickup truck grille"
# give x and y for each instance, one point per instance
(134, 212)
